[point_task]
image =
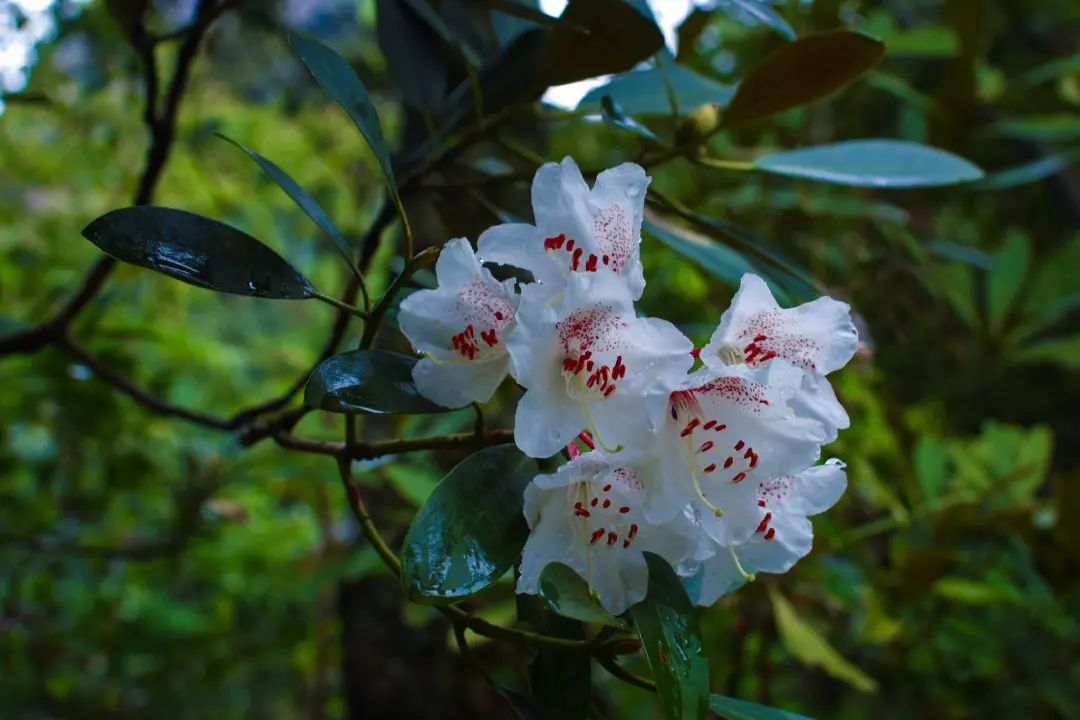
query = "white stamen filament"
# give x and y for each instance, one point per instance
(749, 577)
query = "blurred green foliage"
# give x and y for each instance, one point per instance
(150, 567)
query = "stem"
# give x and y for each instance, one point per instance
(716, 164)
(625, 675)
(334, 302)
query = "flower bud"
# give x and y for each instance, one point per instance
(699, 125)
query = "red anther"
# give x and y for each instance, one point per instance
(626, 543)
(590, 264)
(591, 382)
(572, 452)
(593, 502)
(499, 315)
(708, 425)
(771, 534)
(709, 468)
(576, 259)
(589, 366)
(606, 259)
(633, 530)
(753, 458)
(706, 446)
(740, 445)
(768, 356)
(489, 337)
(624, 509)
(607, 503)
(587, 439)
(739, 478)
(607, 488)
(469, 330)
(721, 427)
(764, 523)
(761, 503)
(619, 371)
(597, 534)
(612, 537)
(695, 353)
(759, 338)
(689, 427)
(728, 462)
(610, 389)
(750, 347)
(569, 245)
(581, 363)
(754, 350)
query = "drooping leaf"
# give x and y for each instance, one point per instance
(600, 37)
(302, 198)
(1027, 173)
(643, 92)
(341, 83)
(412, 50)
(613, 114)
(671, 641)
(733, 709)
(808, 69)
(198, 251)
(872, 163)
(471, 530)
(762, 12)
(810, 648)
(372, 382)
(560, 680)
(567, 594)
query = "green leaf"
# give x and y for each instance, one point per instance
(808, 69)
(372, 382)
(1064, 352)
(302, 198)
(412, 48)
(614, 115)
(732, 709)
(341, 83)
(671, 641)
(718, 260)
(932, 41)
(1027, 173)
(1059, 126)
(761, 12)
(810, 648)
(198, 251)
(567, 594)
(560, 680)
(872, 163)
(643, 92)
(471, 530)
(600, 37)
(1005, 277)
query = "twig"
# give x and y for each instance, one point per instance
(623, 674)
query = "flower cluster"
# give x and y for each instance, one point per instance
(714, 470)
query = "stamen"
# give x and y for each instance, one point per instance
(738, 566)
(694, 478)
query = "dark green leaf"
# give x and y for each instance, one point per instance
(1027, 173)
(672, 645)
(471, 530)
(718, 260)
(613, 114)
(340, 81)
(800, 72)
(872, 163)
(412, 50)
(732, 709)
(560, 680)
(1006, 276)
(1059, 126)
(197, 250)
(374, 382)
(760, 11)
(302, 198)
(643, 92)
(567, 594)
(599, 37)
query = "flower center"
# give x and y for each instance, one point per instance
(608, 518)
(470, 345)
(576, 257)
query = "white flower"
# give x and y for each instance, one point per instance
(461, 327)
(589, 515)
(586, 362)
(782, 536)
(818, 337)
(721, 434)
(577, 230)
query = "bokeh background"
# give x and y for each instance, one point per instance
(151, 567)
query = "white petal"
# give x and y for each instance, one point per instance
(544, 425)
(456, 384)
(457, 264)
(817, 489)
(619, 201)
(520, 245)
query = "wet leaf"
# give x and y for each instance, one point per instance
(471, 530)
(372, 382)
(671, 641)
(872, 163)
(733, 709)
(567, 594)
(800, 72)
(198, 251)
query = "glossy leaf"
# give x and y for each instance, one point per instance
(560, 680)
(614, 115)
(733, 709)
(800, 72)
(600, 37)
(718, 260)
(302, 198)
(872, 163)
(567, 594)
(341, 83)
(198, 251)
(762, 12)
(412, 50)
(372, 382)
(810, 648)
(671, 641)
(643, 92)
(471, 530)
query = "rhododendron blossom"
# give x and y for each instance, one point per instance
(713, 471)
(461, 327)
(577, 230)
